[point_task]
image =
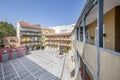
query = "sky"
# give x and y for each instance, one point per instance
(43, 12)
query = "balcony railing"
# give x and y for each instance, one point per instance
(109, 61)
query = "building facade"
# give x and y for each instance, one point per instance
(8, 42)
(61, 39)
(45, 31)
(29, 35)
(63, 28)
(96, 45)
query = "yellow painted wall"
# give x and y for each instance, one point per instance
(90, 57)
(91, 32)
(43, 37)
(109, 62)
(109, 26)
(109, 66)
(23, 39)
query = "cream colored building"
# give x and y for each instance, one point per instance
(96, 45)
(44, 32)
(29, 35)
(61, 39)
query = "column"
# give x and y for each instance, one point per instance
(78, 33)
(84, 72)
(84, 29)
(99, 34)
(84, 41)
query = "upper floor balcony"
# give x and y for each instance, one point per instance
(97, 41)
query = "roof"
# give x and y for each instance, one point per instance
(8, 40)
(29, 25)
(59, 34)
(46, 28)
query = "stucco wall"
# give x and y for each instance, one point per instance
(109, 29)
(79, 47)
(109, 61)
(109, 26)
(90, 57)
(109, 66)
(91, 32)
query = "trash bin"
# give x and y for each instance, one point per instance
(5, 56)
(21, 52)
(13, 53)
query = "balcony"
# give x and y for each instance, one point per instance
(109, 60)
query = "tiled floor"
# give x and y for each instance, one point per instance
(40, 65)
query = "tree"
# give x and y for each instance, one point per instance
(6, 29)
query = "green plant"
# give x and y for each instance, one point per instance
(66, 50)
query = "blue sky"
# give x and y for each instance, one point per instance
(43, 12)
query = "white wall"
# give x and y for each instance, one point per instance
(63, 28)
(18, 31)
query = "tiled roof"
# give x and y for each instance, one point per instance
(6, 39)
(58, 34)
(29, 25)
(45, 28)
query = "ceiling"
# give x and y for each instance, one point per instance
(108, 4)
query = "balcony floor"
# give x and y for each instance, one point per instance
(40, 65)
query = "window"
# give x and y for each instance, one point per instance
(77, 32)
(81, 33)
(12, 40)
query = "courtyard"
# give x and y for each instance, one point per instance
(39, 65)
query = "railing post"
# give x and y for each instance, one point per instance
(99, 35)
(84, 72)
(84, 29)
(84, 41)
(79, 33)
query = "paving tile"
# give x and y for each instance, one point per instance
(30, 78)
(37, 74)
(11, 76)
(16, 78)
(40, 65)
(1, 76)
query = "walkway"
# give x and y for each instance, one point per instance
(40, 65)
